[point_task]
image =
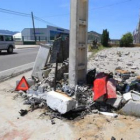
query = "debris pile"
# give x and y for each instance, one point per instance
(109, 60)
(104, 93)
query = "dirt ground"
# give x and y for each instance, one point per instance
(34, 127)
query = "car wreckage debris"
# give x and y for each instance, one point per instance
(104, 93)
(23, 112)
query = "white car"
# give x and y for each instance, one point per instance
(7, 43)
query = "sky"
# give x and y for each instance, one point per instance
(118, 16)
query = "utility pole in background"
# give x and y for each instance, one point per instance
(33, 25)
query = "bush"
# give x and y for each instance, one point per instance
(126, 40)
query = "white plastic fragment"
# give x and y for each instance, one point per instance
(115, 102)
(127, 96)
(109, 114)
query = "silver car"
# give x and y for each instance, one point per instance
(7, 43)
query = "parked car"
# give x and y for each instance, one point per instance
(7, 43)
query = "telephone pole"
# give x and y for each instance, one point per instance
(33, 25)
(78, 42)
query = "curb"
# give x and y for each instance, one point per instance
(7, 74)
(27, 48)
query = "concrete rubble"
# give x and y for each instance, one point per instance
(121, 87)
(60, 102)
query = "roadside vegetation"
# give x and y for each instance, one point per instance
(105, 38)
(95, 48)
(95, 51)
(126, 40)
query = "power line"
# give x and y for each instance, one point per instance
(42, 20)
(24, 15)
(110, 5)
(13, 12)
(96, 8)
(55, 15)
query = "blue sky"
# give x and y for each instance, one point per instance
(118, 16)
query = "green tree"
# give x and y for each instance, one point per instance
(105, 38)
(126, 40)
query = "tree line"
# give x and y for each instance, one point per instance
(126, 40)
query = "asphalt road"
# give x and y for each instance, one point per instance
(18, 58)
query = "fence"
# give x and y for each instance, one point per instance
(30, 38)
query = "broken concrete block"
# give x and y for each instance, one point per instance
(40, 75)
(131, 108)
(135, 97)
(36, 94)
(46, 72)
(31, 92)
(60, 102)
(127, 96)
(135, 92)
(42, 87)
(115, 102)
(29, 81)
(43, 74)
(41, 60)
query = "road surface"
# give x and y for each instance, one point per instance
(18, 58)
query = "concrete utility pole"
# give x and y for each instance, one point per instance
(78, 42)
(33, 25)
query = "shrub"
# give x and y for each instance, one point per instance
(126, 40)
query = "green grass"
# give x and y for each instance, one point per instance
(94, 51)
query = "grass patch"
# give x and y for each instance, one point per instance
(94, 51)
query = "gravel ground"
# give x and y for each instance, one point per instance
(110, 59)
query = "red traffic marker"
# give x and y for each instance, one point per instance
(22, 85)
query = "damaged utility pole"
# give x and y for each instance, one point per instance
(33, 25)
(78, 42)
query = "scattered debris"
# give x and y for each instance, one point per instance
(127, 96)
(115, 102)
(104, 93)
(60, 102)
(113, 138)
(23, 112)
(109, 114)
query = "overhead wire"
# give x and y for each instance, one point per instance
(96, 8)
(14, 12)
(24, 14)
(42, 20)
(110, 5)
(37, 18)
